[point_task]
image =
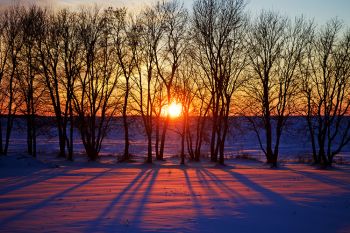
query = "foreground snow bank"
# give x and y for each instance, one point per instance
(242, 197)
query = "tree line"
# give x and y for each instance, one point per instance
(87, 66)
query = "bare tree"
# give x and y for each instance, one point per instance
(59, 61)
(326, 88)
(70, 68)
(185, 91)
(125, 34)
(13, 39)
(196, 101)
(4, 55)
(29, 83)
(159, 107)
(217, 33)
(276, 48)
(48, 56)
(168, 55)
(146, 79)
(94, 96)
(200, 108)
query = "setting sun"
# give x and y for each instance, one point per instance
(175, 109)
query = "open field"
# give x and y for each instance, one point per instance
(242, 141)
(243, 196)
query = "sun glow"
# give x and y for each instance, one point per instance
(174, 109)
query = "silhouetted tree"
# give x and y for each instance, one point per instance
(60, 64)
(70, 68)
(4, 55)
(276, 48)
(10, 45)
(326, 88)
(125, 34)
(218, 36)
(28, 73)
(151, 29)
(168, 56)
(94, 96)
(196, 102)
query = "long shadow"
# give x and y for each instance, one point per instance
(221, 185)
(95, 225)
(273, 197)
(286, 206)
(196, 202)
(323, 178)
(144, 200)
(48, 200)
(203, 180)
(131, 196)
(25, 182)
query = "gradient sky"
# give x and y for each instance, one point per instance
(320, 10)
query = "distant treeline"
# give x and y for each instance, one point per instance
(87, 66)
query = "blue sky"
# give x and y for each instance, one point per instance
(320, 10)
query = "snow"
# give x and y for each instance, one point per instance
(244, 196)
(295, 143)
(49, 194)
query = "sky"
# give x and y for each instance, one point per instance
(319, 10)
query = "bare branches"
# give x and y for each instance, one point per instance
(94, 94)
(218, 35)
(277, 48)
(92, 65)
(326, 82)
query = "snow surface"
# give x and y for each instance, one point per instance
(242, 141)
(244, 196)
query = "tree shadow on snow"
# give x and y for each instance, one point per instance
(45, 202)
(106, 222)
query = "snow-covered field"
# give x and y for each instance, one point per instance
(244, 196)
(242, 141)
(54, 195)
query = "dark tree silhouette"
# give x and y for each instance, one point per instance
(94, 101)
(217, 33)
(125, 35)
(276, 48)
(168, 57)
(326, 88)
(11, 45)
(30, 85)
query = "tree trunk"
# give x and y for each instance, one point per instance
(149, 152)
(162, 142)
(183, 135)
(126, 137)
(157, 137)
(200, 132)
(189, 142)
(322, 156)
(222, 145)
(10, 119)
(313, 143)
(91, 153)
(213, 156)
(34, 136)
(29, 136)
(62, 140)
(1, 145)
(269, 153)
(125, 123)
(71, 132)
